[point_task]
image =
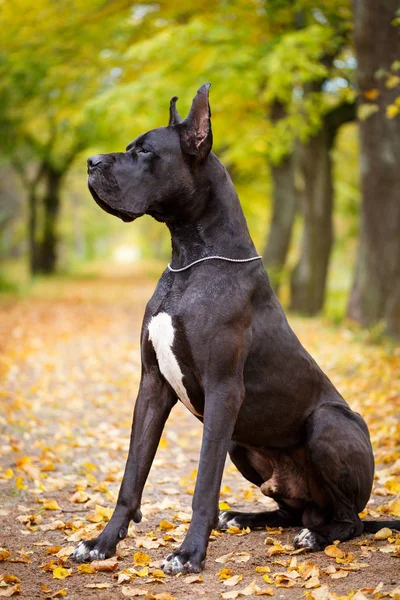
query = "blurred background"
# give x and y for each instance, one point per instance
(305, 103)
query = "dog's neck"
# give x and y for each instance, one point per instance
(215, 224)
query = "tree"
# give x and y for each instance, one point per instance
(308, 281)
(48, 71)
(375, 294)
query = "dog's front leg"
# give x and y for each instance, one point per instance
(153, 405)
(222, 405)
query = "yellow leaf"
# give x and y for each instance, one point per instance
(86, 568)
(104, 512)
(267, 579)
(392, 81)
(392, 111)
(263, 570)
(19, 483)
(8, 474)
(51, 505)
(158, 573)
(224, 574)
(366, 109)
(53, 550)
(265, 592)
(166, 526)
(394, 507)
(334, 552)
(9, 578)
(4, 554)
(224, 506)
(61, 573)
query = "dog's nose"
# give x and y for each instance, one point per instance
(94, 160)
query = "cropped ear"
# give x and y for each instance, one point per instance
(195, 131)
(174, 117)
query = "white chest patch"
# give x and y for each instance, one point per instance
(161, 335)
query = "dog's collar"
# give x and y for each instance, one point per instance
(235, 260)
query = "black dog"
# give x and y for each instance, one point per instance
(215, 336)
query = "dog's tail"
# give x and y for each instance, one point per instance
(374, 526)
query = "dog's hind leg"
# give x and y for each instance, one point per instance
(284, 516)
(342, 467)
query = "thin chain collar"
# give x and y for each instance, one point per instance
(235, 260)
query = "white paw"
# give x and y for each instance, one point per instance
(172, 565)
(83, 553)
(307, 539)
(224, 522)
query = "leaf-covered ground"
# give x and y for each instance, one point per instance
(70, 369)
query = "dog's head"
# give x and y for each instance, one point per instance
(157, 173)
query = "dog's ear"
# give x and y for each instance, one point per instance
(174, 117)
(195, 131)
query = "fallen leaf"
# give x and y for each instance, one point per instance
(59, 594)
(79, 497)
(193, 579)
(334, 552)
(108, 565)
(4, 554)
(234, 580)
(11, 591)
(61, 573)
(166, 526)
(383, 534)
(53, 550)
(140, 559)
(9, 578)
(86, 568)
(224, 574)
(51, 505)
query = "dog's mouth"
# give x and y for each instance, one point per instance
(123, 215)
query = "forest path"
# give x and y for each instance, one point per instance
(70, 367)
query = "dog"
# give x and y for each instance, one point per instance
(216, 338)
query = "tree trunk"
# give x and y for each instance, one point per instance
(51, 207)
(309, 277)
(284, 211)
(32, 231)
(283, 208)
(375, 295)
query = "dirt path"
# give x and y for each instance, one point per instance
(70, 369)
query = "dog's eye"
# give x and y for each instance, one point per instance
(144, 151)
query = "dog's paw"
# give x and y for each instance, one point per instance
(228, 518)
(311, 541)
(92, 550)
(182, 562)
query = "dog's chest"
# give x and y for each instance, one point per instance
(162, 334)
